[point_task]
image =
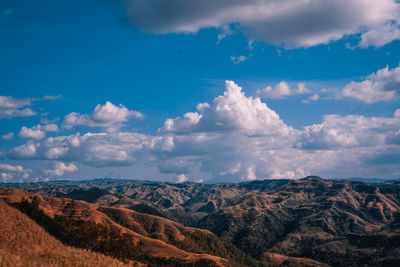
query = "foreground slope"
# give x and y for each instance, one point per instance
(24, 243)
(124, 234)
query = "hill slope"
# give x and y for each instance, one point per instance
(340, 223)
(337, 222)
(185, 203)
(24, 243)
(124, 234)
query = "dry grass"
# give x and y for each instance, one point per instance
(82, 225)
(274, 259)
(24, 243)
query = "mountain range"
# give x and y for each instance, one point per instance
(306, 222)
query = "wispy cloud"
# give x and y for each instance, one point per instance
(8, 136)
(282, 90)
(311, 98)
(238, 59)
(11, 107)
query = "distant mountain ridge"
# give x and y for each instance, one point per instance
(83, 181)
(335, 222)
(367, 180)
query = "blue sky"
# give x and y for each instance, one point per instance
(161, 59)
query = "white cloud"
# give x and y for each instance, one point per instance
(8, 136)
(11, 107)
(94, 149)
(181, 178)
(224, 138)
(397, 113)
(381, 35)
(377, 87)
(226, 31)
(11, 102)
(9, 173)
(202, 106)
(34, 133)
(238, 59)
(232, 111)
(60, 168)
(26, 151)
(393, 138)
(104, 116)
(51, 97)
(349, 131)
(7, 167)
(292, 23)
(8, 113)
(282, 90)
(240, 138)
(50, 127)
(313, 97)
(233, 138)
(44, 120)
(229, 138)
(38, 131)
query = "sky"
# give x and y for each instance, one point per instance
(202, 91)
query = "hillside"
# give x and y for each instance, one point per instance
(125, 234)
(185, 203)
(339, 223)
(307, 222)
(25, 243)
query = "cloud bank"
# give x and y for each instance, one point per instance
(233, 138)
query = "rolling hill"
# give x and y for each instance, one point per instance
(124, 234)
(309, 222)
(24, 243)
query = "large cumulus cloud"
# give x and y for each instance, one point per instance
(230, 112)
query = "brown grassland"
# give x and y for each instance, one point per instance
(123, 234)
(24, 243)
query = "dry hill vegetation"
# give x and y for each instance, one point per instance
(121, 233)
(340, 223)
(24, 243)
